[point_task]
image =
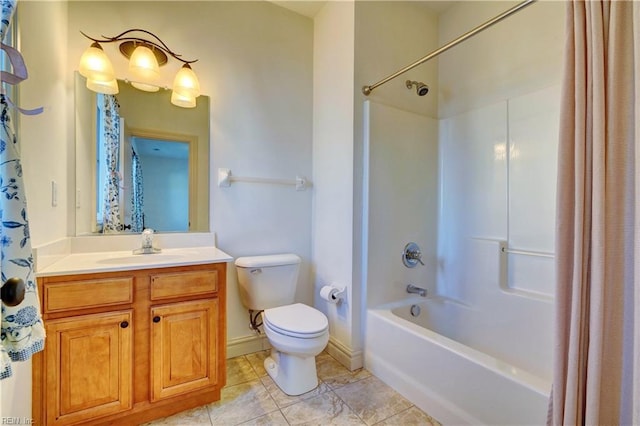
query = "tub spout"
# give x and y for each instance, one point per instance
(412, 289)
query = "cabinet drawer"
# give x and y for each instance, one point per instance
(87, 294)
(165, 286)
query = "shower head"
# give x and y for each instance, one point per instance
(421, 88)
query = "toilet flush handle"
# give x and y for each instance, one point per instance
(256, 271)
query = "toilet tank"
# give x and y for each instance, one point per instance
(267, 281)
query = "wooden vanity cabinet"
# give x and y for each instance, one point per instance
(94, 359)
(183, 348)
(128, 347)
(183, 335)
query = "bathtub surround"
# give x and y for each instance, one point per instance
(403, 203)
(494, 185)
(445, 373)
(486, 202)
(597, 369)
(477, 204)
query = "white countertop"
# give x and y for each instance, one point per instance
(110, 261)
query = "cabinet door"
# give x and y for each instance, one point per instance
(88, 367)
(183, 347)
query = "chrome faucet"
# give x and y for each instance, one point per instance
(147, 243)
(147, 238)
(412, 289)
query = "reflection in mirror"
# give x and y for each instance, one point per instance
(141, 162)
(161, 169)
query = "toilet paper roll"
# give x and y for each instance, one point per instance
(330, 294)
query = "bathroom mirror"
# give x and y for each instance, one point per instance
(172, 165)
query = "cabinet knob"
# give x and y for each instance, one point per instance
(13, 291)
(156, 319)
(124, 324)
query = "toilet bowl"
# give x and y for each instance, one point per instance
(296, 332)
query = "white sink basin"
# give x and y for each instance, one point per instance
(142, 258)
(106, 261)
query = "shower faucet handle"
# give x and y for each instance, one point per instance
(415, 255)
(412, 255)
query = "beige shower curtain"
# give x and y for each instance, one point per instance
(597, 352)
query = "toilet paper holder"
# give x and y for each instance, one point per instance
(332, 294)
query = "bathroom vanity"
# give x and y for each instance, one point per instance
(130, 338)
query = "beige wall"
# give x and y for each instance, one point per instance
(333, 170)
(255, 64)
(516, 56)
(389, 36)
(47, 138)
(357, 43)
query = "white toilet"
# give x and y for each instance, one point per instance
(297, 332)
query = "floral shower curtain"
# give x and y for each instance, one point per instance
(137, 196)
(111, 139)
(597, 349)
(22, 332)
(22, 328)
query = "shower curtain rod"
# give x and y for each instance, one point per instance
(368, 89)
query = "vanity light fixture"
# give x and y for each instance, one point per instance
(145, 58)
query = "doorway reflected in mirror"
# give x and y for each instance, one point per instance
(159, 190)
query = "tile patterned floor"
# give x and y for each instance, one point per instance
(343, 398)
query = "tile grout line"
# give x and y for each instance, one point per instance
(338, 382)
(350, 408)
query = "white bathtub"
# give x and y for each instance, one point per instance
(454, 383)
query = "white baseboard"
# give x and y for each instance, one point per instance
(246, 344)
(344, 355)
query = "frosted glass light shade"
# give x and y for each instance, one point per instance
(144, 86)
(106, 87)
(183, 101)
(95, 65)
(186, 83)
(143, 64)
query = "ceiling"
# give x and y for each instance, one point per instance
(160, 148)
(307, 8)
(310, 8)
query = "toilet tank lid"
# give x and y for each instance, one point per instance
(268, 260)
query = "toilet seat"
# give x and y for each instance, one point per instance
(297, 320)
